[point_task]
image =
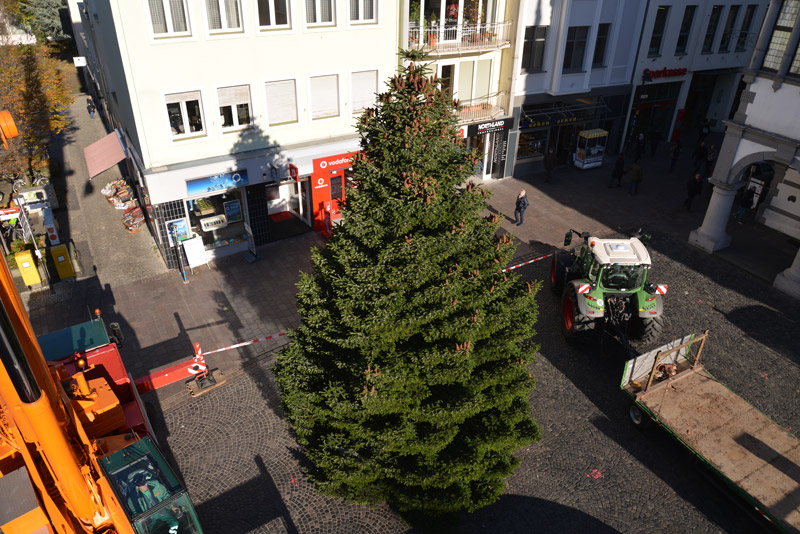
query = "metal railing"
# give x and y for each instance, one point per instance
(487, 107)
(463, 37)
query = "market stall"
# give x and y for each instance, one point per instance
(591, 148)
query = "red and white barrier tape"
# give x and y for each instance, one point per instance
(245, 343)
(527, 262)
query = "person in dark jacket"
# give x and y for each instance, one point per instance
(745, 203)
(640, 146)
(636, 177)
(618, 172)
(711, 160)
(700, 156)
(693, 188)
(520, 207)
(674, 154)
(549, 163)
(147, 493)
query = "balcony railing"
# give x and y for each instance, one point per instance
(464, 37)
(488, 107)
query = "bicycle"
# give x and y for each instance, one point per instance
(12, 232)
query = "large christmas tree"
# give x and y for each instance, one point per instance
(407, 380)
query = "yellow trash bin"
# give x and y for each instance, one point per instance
(27, 267)
(61, 259)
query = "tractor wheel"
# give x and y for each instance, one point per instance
(638, 417)
(647, 329)
(558, 265)
(574, 324)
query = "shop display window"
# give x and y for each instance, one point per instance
(532, 144)
(218, 219)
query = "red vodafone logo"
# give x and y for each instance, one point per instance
(341, 160)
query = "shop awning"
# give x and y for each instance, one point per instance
(103, 154)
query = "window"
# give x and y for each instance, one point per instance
(281, 102)
(273, 13)
(364, 87)
(319, 11)
(533, 50)
(658, 31)
(686, 30)
(780, 34)
(168, 17)
(749, 14)
(576, 48)
(794, 68)
(234, 106)
(600, 45)
(324, 96)
(185, 113)
(711, 32)
(224, 15)
(727, 32)
(362, 10)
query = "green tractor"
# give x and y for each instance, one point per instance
(603, 287)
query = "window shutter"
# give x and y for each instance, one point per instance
(178, 15)
(158, 17)
(365, 85)
(311, 11)
(232, 11)
(231, 96)
(324, 96)
(369, 10)
(327, 11)
(281, 102)
(214, 19)
(182, 97)
(354, 9)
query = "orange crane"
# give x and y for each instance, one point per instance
(77, 454)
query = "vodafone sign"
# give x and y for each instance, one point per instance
(334, 162)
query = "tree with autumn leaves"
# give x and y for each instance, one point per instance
(34, 90)
(408, 379)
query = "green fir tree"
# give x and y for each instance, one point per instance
(408, 380)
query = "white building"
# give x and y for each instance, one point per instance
(221, 103)
(571, 71)
(689, 63)
(765, 128)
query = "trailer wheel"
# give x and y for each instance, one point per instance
(638, 418)
(558, 265)
(647, 329)
(574, 324)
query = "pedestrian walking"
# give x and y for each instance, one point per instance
(711, 160)
(703, 129)
(520, 207)
(693, 188)
(640, 146)
(549, 163)
(618, 172)
(674, 154)
(700, 156)
(655, 139)
(90, 107)
(636, 177)
(745, 202)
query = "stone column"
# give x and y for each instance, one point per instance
(789, 280)
(711, 236)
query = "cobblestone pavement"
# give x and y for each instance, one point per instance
(645, 481)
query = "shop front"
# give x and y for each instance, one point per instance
(330, 179)
(489, 138)
(653, 107)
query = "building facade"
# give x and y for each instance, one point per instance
(763, 129)
(470, 48)
(237, 115)
(571, 72)
(688, 68)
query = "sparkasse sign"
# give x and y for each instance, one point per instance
(663, 73)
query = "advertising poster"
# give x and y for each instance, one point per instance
(179, 229)
(233, 211)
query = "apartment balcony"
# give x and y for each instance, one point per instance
(484, 108)
(455, 38)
